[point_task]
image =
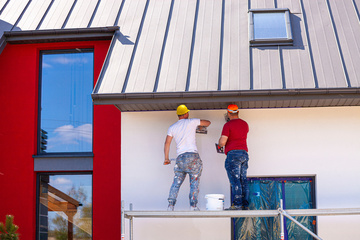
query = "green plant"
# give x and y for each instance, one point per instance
(8, 231)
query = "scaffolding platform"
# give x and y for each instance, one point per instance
(239, 214)
(288, 213)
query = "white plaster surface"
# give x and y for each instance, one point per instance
(321, 142)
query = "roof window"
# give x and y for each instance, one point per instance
(270, 27)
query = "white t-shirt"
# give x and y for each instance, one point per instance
(183, 131)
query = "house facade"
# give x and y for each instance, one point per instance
(89, 89)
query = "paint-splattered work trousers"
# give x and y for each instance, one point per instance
(186, 163)
(236, 165)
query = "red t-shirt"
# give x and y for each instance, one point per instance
(236, 130)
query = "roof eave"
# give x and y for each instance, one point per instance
(60, 35)
(220, 99)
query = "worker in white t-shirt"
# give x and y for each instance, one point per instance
(188, 160)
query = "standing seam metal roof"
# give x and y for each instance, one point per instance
(193, 51)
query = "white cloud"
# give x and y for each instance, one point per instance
(69, 60)
(46, 65)
(68, 134)
(60, 181)
(64, 60)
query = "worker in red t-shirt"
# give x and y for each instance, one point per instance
(233, 137)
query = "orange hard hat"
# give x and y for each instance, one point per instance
(233, 108)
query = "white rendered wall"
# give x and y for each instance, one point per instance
(321, 142)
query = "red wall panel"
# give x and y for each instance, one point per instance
(106, 175)
(19, 74)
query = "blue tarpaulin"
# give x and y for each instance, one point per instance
(265, 194)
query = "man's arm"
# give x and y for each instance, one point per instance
(204, 123)
(167, 149)
(223, 140)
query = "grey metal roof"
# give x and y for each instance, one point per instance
(197, 52)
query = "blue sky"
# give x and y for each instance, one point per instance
(65, 182)
(67, 83)
(269, 25)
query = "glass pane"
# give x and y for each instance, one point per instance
(65, 207)
(66, 105)
(269, 25)
(265, 194)
(298, 196)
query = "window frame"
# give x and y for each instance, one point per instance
(270, 41)
(38, 175)
(55, 155)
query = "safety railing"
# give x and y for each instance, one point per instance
(288, 213)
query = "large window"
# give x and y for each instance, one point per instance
(265, 194)
(64, 206)
(66, 112)
(269, 27)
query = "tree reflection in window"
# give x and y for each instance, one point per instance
(65, 207)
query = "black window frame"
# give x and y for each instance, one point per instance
(38, 174)
(39, 153)
(270, 41)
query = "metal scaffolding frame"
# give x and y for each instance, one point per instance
(289, 213)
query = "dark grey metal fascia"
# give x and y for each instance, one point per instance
(275, 42)
(63, 163)
(225, 96)
(58, 35)
(269, 10)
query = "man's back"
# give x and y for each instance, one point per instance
(183, 131)
(236, 130)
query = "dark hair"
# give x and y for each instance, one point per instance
(183, 114)
(234, 114)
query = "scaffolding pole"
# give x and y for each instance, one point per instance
(131, 223)
(283, 213)
(282, 234)
(122, 220)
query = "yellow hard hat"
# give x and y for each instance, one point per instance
(181, 110)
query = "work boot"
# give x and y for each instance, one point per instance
(195, 208)
(170, 207)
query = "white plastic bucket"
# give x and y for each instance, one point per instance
(215, 202)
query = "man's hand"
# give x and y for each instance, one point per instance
(167, 162)
(204, 123)
(223, 140)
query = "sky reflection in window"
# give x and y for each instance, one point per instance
(269, 25)
(66, 105)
